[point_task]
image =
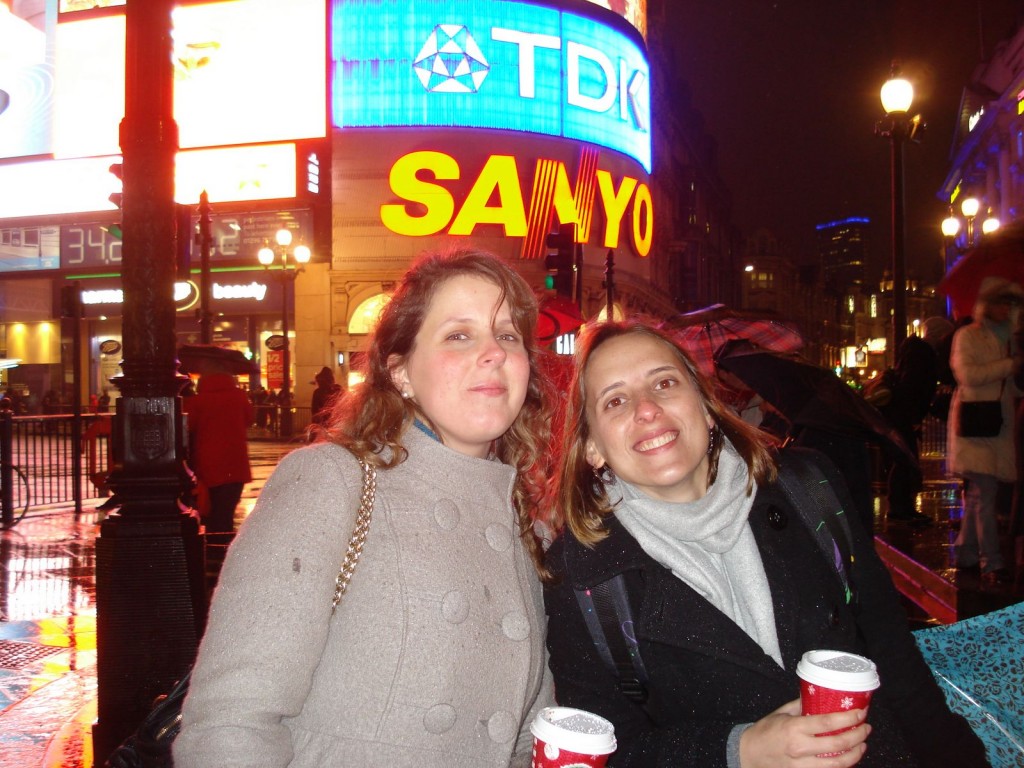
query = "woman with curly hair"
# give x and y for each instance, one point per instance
(435, 657)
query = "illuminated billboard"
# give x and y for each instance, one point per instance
(506, 65)
(228, 174)
(26, 79)
(245, 73)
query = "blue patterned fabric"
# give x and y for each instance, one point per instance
(979, 664)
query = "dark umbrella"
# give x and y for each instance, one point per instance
(703, 332)
(209, 358)
(557, 316)
(1000, 254)
(810, 396)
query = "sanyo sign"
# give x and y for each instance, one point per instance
(426, 183)
(506, 65)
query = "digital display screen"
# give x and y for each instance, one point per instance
(505, 65)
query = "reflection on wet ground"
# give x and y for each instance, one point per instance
(48, 629)
(48, 635)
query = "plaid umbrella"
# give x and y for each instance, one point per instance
(704, 332)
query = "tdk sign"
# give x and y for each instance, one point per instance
(506, 65)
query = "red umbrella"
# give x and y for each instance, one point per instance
(1000, 255)
(704, 332)
(557, 316)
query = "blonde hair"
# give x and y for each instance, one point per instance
(580, 499)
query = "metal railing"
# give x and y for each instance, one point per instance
(56, 459)
(51, 460)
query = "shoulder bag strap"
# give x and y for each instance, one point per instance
(356, 541)
(609, 620)
(810, 494)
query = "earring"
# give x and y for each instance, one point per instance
(405, 395)
(712, 437)
(603, 474)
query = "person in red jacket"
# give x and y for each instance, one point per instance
(218, 418)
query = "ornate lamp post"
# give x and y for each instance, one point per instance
(287, 275)
(897, 95)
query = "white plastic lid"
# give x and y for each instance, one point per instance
(838, 670)
(574, 730)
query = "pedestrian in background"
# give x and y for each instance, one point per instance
(984, 361)
(327, 390)
(435, 657)
(913, 382)
(219, 415)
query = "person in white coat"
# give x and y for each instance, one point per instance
(984, 360)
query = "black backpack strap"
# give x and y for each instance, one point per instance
(609, 619)
(809, 493)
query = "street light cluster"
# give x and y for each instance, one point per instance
(969, 207)
(301, 255)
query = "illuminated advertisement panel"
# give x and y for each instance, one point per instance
(229, 174)
(26, 78)
(505, 65)
(29, 248)
(244, 73)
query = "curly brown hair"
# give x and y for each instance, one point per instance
(373, 416)
(580, 499)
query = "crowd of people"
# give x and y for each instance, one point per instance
(464, 618)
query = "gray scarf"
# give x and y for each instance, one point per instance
(708, 544)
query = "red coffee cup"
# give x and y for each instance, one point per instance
(571, 738)
(835, 681)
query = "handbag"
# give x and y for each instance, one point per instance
(150, 745)
(980, 418)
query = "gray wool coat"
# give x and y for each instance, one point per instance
(435, 656)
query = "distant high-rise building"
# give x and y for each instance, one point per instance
(842, 250)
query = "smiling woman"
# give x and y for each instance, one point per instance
(671, 503)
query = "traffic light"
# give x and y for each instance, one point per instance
(561, 264)
(117, 198)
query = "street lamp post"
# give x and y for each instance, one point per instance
(897, 95)
(266, 255)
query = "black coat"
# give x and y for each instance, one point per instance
(707, 675)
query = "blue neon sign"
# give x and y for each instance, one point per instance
(506, 65)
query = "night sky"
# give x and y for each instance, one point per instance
(789, 90)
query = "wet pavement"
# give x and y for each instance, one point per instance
(48, 613)
(48, 628)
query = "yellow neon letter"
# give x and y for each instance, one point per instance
(566, 206)
(498, 174)
(437, 200)
(614, 204)
(643, 221)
